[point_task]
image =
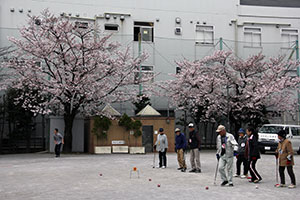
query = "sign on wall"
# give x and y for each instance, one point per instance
(117, 142)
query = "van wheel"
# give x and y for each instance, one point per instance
(262, 151)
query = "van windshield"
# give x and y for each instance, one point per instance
(270, 129)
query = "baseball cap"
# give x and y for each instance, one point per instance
(242, 130)
(220, 128)
(191, 125)
(161, 130)
(177, 130)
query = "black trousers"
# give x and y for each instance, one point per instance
(254, 174)
(241, 159)
(290, 172)
(57, 149)
(162, 158)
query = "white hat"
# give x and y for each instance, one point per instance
(177, 130)
(191, 125)
(220, 128)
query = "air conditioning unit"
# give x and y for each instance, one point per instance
(178, 31)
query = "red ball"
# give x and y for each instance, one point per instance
(100, 174)
(158, 185)
(206, 188)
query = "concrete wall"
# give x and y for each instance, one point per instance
(78, 132)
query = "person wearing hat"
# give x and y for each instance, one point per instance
(226, 149)
(241, 158)
(180, 146)
(194, 142)
(286, 159)
(161, 146)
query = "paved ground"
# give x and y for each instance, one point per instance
(40, 176)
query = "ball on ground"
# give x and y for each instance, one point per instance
(206, 187)
(150, 179)
(100, 174)
(158, 185)
(256, 187)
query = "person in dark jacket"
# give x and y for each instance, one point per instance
(194, 142)
(180, 146)
(252, 152)
(241, 158)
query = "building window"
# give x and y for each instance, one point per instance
(288, 37)
(82, 25)
(204, 34)
(111, 27)
(252, 36)
(147, 71)
(145, 29)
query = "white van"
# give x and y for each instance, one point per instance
(268, 139)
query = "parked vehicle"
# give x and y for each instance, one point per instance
(268, 140)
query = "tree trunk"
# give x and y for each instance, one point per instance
(205, 134)
(68, 119)
(43, 133)
(2, 125)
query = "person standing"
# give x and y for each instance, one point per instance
(241, 158)
(180, 146)
(195, 147)
(58, 141)
(286, 159)
(252, 152)
(161, 146)
(226, 149)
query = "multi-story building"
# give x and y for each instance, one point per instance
(173, 29)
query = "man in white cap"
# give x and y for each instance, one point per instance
(226, 148)
(194, 142)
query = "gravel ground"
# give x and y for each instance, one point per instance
(41, 176)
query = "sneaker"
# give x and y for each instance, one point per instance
(230, 185)
(198, 171)
(180, 168)
(193, 170)
(183, 170)
(249, 177)
(163, 167)
(158, 166)
(244, 176)
(280, 185)
(256, 181)
(292, 186)
(236, 175)
(224, 183)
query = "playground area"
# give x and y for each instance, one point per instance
(83, 176)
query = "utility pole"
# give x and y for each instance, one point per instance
(221, 44)
(140, 67)
(227, 90)
(298, 74)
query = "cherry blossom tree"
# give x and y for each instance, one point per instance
(73, 68)
(223, 86)
(257, 85)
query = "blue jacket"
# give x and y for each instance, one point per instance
(180, 141)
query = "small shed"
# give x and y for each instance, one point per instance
(152, 121)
